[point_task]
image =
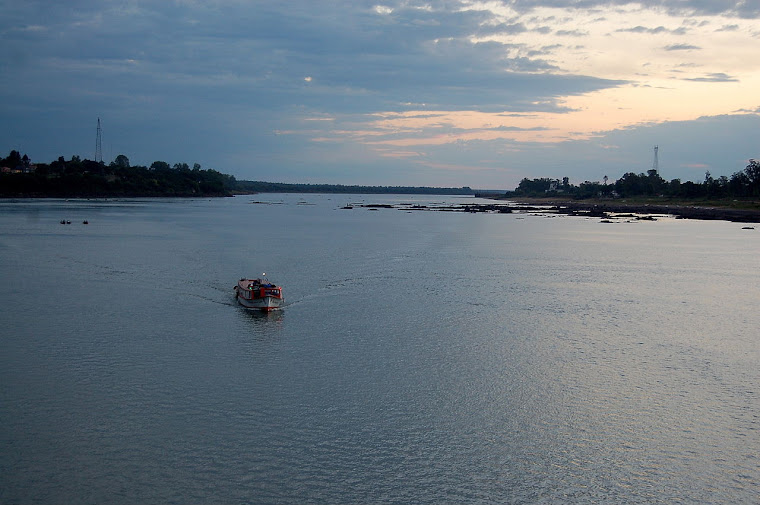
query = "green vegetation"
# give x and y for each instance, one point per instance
(644, 187)
(77, 178)
(85, 178)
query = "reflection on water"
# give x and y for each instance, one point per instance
(261, 330)
(422, 357)
(260, 315)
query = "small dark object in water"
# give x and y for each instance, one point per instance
(85, 222)
(748, 227)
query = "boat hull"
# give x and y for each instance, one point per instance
(258, 294)
(266, 304)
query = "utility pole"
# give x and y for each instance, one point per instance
(98, 145)
(656, 163)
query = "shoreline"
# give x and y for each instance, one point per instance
(597, 208)
(603, 209)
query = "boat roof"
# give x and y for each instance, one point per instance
(244, 282)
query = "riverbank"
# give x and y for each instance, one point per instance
(737, 211)
(604, 210)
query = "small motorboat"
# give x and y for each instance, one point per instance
(259, 294)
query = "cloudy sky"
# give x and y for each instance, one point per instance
(387, 92)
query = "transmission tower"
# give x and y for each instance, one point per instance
(656, 163)
(98, 146)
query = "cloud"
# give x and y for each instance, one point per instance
(642, 29)
(516, 128)
(716, 77)
(743, 8)
(571, 33)
(503, 28)
(495, 85)
(682, 47)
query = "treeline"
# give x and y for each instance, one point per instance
(278, 187)
(742, 184)
(77, 178)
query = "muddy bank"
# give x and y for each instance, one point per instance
(605, 211)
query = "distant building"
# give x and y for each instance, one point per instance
(554, 186)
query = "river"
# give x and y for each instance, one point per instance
(422, 357)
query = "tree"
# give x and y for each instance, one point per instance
(534, 187)
(630, 184)
(739, 184)
(674, 187)
(715, 187)
(121, 161)
(655, 183)
(690, 189)
(160, 165)
(14, 159)
(588, 189)
(753, 176)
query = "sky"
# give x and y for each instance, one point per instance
(445, 93)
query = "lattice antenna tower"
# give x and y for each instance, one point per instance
(656, 162)
(98, 145)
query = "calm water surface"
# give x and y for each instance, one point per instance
(423, 357)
